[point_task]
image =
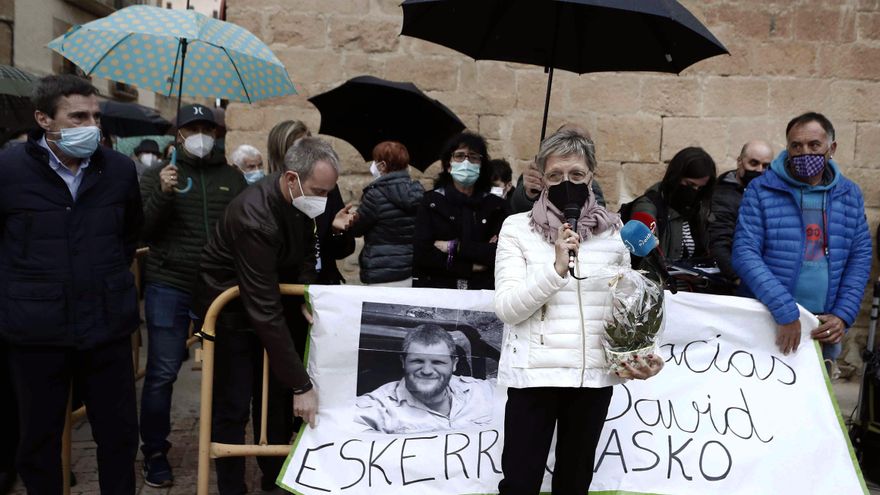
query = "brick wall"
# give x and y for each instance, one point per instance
(787, 57)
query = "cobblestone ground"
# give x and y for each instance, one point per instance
(183, 455)
(184, 436)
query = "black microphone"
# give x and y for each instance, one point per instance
(641, 242)
(572, 212)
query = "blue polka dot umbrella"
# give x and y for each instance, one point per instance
(176, 51)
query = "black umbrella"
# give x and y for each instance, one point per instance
(131, 119)
(16, 111)
(367, 110)
(575, 35)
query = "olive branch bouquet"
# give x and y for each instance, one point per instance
(636, 318)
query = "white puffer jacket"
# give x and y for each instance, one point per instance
(554, 326)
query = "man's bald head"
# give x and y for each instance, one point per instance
(755, 156)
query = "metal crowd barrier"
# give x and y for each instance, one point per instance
(212, 450)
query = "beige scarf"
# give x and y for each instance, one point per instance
(595, 219)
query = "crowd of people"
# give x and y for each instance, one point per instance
(787, 230)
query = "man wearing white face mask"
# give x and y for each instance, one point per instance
(265, 237)
(70, 213)
(147, 155)
(181, 204)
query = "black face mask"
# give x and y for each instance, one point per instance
(567, 193)
(747, 177)
(683, 199)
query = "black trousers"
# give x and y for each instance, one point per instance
(8, 414)
(104, 379)
(238, 378)
(531, 414)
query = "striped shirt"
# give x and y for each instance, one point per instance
(687, 241)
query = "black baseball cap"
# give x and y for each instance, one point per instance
(147, 146)
(195, 113)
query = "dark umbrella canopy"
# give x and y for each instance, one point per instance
(366, 110)
(575, 35)
(16, 111)
(131, 119)
(16, 82)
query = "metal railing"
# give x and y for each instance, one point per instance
(212, 450)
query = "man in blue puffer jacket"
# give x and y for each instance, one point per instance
(802, 238)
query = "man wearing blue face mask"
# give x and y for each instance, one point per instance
(458, 222)
(802, 238)
(70, 213)
(182, 201)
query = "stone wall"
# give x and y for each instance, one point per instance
(787, 57)
(7, 14)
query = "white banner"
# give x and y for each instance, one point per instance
(728, 414)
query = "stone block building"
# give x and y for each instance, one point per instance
(786, 57)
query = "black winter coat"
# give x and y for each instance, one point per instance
(446, 214)
(64, 263)
(387, 220)
(260, 241)
(177, 224)
(726, 198)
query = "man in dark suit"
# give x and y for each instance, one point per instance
(70, 212)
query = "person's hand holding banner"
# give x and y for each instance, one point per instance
(788, 337)
(644, 369)
(304, 309)
(830, 331)
(305, 406)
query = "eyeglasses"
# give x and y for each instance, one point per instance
(460, 156)
(575, 176)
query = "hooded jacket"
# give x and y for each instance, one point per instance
(769, 243)
(387, 221)
(176, 224)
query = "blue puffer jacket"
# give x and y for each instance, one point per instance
(769, 244)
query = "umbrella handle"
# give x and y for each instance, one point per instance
(188, 188)
(189, 180)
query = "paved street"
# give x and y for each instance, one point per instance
(183, 456)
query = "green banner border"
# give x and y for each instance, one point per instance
(852, 451)
(302, 428)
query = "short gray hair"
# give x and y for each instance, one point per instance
(244, 152)
(306, 152)
(567, 142)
